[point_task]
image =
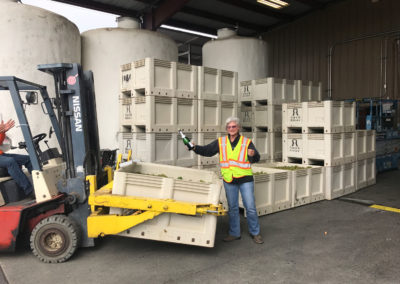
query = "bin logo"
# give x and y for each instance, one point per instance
(295, 146)
(128, 114)
(295, 115)
(126, 78)
(245, 91)
(128, 146)
(246, 117)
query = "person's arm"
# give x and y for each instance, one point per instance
(207, 150)
(255, 158)
(4, 127)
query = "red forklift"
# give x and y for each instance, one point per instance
(55, 221)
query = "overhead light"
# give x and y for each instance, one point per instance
(188, 31)
(277, 4)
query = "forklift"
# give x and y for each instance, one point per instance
(73, 189)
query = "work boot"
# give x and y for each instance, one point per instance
(258, 239)
(230, 238)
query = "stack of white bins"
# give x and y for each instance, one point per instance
(160, 97)
(260, 107)
(365, 158)
(217, 93)
(157, 98)
(323, 133)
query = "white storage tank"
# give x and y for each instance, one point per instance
(32, 36)
(246, 55)
(104, 51)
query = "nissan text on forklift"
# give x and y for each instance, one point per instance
(67, 213)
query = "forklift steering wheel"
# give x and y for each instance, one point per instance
(37, 138)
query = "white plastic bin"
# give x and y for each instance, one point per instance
(154, 113)
(293, 116)
(270, 89)
(340, 180)
(155, 147)
(246, 114)
(186, 81)
(229, 86)
(326, 114)
(177, 183)
(268, 144)
(205, 138)
(154, 77)
(371, 171)
(268, 116)
(349, 148)
(246, 91)
(272, 190)
(186, 114)
(209, 83)
(326, 147)
(126, 77)
(293, 146)
(310, 91)
(125, 140)
(308, 182)
(209, 116)
(361, 166)
(361, 142)
(125, 110)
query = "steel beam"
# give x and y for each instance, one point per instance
(98, 6)
(157, 16)
(224, 19)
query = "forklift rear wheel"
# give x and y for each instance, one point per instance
(55, 239)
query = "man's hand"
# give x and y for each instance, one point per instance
(250, 152)
(4, 127)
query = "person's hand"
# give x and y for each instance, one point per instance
(250, 152)
(4, 127)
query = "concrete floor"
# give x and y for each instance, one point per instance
(325, 242)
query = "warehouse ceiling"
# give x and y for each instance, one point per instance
(248, 17)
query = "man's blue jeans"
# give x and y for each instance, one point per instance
(232, 195)
(13, 163)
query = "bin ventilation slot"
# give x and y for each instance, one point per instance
(162, 63)
(126, 67)
(140, 63)
(211, 71)
(227, 73)
(181, 66)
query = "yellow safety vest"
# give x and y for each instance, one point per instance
(234, 164)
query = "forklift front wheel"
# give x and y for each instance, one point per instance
(55, 239)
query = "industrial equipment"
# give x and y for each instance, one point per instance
(382, 116)
(73, 189)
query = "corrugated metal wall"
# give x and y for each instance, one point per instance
(299, 50)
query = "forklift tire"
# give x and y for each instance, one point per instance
(55, 239)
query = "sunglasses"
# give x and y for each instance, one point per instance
(231, 127)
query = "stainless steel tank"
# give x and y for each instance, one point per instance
(32, 36)
(104, 51)
(248, 56)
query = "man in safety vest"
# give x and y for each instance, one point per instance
(236, 152)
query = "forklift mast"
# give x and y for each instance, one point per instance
(76, 108)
